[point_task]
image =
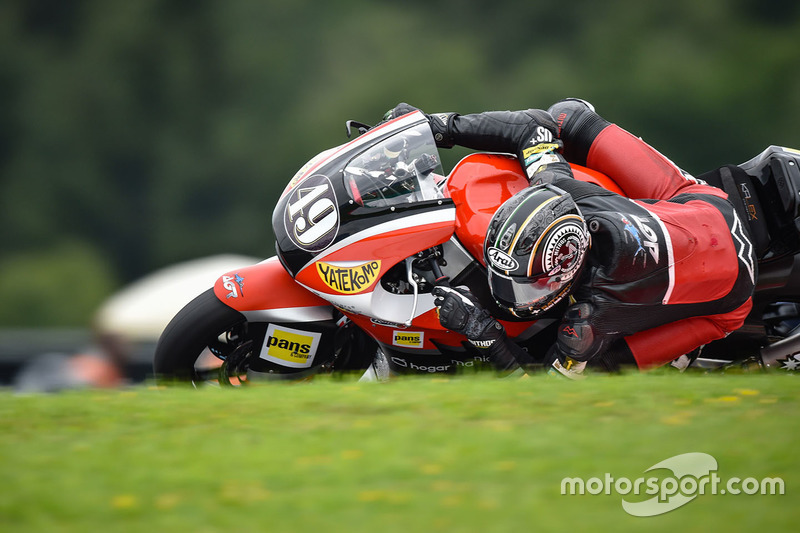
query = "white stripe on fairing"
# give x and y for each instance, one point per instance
(670, 258)
(381, 304)
(421, 219)
(290, 314)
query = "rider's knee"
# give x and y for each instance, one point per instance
(578, 126)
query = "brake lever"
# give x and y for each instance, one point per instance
(362, 128)
(413, 283)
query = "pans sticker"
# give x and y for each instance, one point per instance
(290, 347)
(408, 339)
(349, 279)
(311, 219)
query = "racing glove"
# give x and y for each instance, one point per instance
(459, 311)
(440, 123)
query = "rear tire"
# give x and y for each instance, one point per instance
(196, 327)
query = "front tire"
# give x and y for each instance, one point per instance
(202, 326)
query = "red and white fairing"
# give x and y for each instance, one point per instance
(355, 212)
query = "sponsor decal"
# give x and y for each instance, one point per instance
(644, 236)
(501, 260)
(539, 149)
(471, 362)
(541, 135)
(631, 230)
(419, 367)
(432, 368)
(349, 279)
(408, 339)
(569, 331)
(744, 248)
(541, 308)
(231, 283)
(748, 206)
(481, 344)
(564, 250)
(535, 165)
(290, 347)
(379, 322)
(311, 219)
(791, 363)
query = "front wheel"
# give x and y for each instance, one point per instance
(198, 339)
(209, 342)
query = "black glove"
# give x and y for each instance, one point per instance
(440, 123)
(577, 342)
(398, 111)
(460, 311)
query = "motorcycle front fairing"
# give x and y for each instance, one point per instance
(357, 211)
(265, 291)
(391, 206)
(293, 329)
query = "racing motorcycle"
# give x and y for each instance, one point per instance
(364, 232)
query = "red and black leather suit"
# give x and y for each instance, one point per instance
(670, 267)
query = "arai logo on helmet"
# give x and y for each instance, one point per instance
(312, 216)
(501, 260)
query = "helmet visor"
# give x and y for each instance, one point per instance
(527, 298)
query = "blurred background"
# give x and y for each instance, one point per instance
(136, 135)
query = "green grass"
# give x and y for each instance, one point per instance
(465, 454)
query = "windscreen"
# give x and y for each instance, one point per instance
(401, 169)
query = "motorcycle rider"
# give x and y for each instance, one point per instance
(648, 277)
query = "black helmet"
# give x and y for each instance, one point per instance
(534, 250)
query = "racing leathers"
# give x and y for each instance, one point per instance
(670, 267)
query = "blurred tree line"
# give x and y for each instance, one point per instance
(134, 134)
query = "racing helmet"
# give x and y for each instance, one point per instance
(535, 249)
